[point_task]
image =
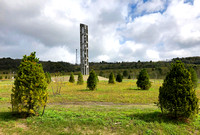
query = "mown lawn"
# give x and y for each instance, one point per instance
(111, 109)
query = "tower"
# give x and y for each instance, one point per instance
(84, 49)
(76, 57)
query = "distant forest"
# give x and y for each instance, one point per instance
(128, 69)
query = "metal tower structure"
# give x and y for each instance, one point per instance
(76, 57)
(84, 49)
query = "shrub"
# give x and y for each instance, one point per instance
(193, 77)
(177, 95)
(29, 92)
(129, 77)
(111, 78)
(143, 80)
(125, 73)
(92, 80)
(71, 79)
(119, 77)
(1, 77)
(80, 79)
(48, 77)
(6, 77)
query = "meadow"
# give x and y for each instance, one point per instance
(119, 108)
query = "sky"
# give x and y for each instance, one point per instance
(119, 30)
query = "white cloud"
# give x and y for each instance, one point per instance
(116, 32)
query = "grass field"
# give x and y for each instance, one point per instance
(111, 109)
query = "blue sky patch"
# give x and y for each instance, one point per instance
(189, 1)
(133, 9)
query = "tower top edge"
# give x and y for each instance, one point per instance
(81, 24)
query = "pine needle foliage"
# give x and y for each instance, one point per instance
(80, 79)
(177, 95)
(111, 78)
(92, 80)
(143, 80)
(71, 79)
(29, 93)
(119, 77)
(193, 77)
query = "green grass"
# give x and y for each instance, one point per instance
(125, 92)
(111, 109)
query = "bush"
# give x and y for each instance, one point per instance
(111, 78)
(92, 80)
(129, 77)
(71, 79)
(177, 95)
(80, 79)
(125, 73)
(143, 80)
(1, 77)
(119, 77)
(29, 92)
(48, 77)
(193, 77)
(6, 77)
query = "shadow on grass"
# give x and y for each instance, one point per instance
(154, 117)
(133, 89)
(8, 116)
(85, 90)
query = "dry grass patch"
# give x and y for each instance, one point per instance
(22, 126)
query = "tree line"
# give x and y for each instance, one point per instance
(156, 70)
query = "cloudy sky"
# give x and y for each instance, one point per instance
(119, 30)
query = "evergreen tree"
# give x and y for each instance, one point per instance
(111, 78)
(119, 77)
(80, 79)
(125, 73)
(71, 79)
(92, 80)
(29, 92)
(193, 77)
(177, 95)
(129, 77)
(143, 80)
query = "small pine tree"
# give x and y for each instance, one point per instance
(177, 95)
(80, 79)
(29, 92)
(143, 80)
(125, 73)
(71, 79)
(119, 77)
(48, 77)
(129, 77)
(193, 77)
(92, 80)
(111, 78)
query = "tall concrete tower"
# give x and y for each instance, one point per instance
(84, 49)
